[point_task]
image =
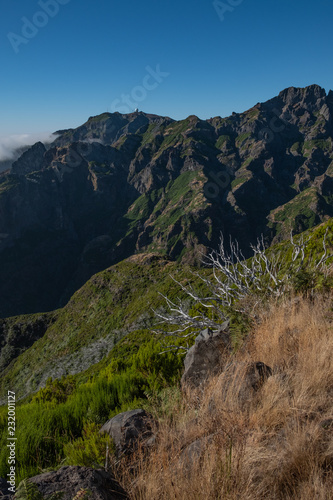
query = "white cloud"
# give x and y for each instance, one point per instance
(10, 144)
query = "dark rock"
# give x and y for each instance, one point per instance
(206, 357)
(4, 492)
(250, 376)
(243, 379)
(257, 373)
(98, 484)
(129, 428)
(327, 424)
(194, 451)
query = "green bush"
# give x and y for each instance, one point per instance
(56, 391)
(90, 449)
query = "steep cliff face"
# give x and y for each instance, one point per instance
(121, 184)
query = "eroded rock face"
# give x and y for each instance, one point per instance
(206, 357)
(128, 428)
(70, 481)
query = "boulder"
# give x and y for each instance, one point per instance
(194, 451)
(243, 379)
(256, 374)
(5, 494)
(129, 428)
(207, 356)
(79, 482)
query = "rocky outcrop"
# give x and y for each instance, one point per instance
(206, 357)
(79, 482)
(18, 334)
(128, 429)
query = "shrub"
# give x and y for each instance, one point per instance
(56, 391)
(90, 450)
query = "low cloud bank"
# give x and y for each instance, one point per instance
(10, 145)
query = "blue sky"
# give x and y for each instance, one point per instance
(85, 58)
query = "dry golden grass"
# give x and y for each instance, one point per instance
(276, 444)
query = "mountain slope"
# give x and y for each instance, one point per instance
(110, 305)
(113, 304)
(123, 184)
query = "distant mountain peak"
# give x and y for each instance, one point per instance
(122, 184)
(303, 94)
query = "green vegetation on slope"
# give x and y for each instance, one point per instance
(65, 414)
(61, 412)
(162, 212)
(111, 304)
(298, 214)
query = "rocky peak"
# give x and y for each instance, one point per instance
(307, 95)
(108, 128)
(30, 161)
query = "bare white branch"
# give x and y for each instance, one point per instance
(233, 279)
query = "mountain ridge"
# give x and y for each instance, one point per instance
(124, 184)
